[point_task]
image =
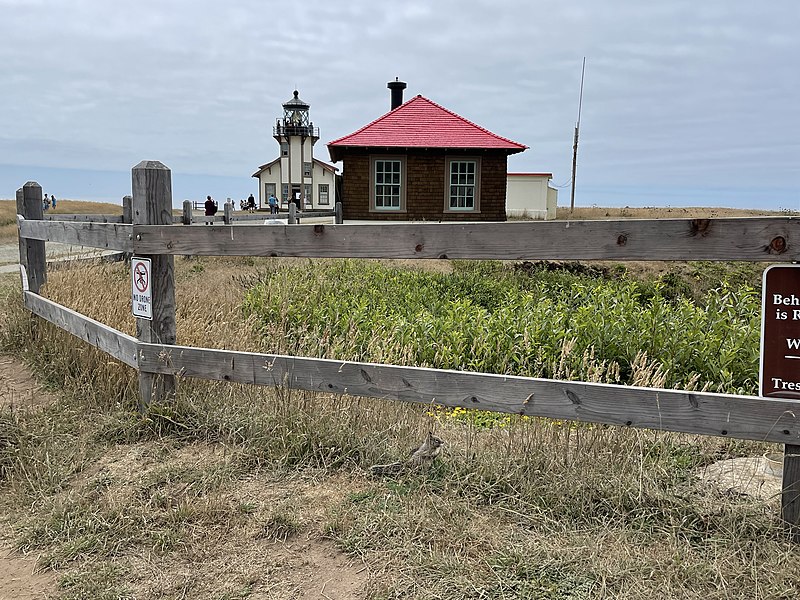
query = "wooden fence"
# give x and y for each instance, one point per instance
(147, 230)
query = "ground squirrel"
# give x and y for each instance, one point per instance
(423, 455)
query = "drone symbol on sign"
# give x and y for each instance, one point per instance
(140, 277)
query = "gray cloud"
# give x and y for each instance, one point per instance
(681, 93)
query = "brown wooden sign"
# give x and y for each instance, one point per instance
(780, 332)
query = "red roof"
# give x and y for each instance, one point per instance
(421, 123)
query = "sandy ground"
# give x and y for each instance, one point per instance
(19, 578)
(303, 567)
(751, 476)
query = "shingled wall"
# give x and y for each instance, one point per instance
(425, 188)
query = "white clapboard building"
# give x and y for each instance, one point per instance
(296, 176)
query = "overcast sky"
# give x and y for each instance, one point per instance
(685, 102)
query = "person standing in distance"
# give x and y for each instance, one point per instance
(210, 210)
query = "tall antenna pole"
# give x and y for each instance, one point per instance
(575, 143)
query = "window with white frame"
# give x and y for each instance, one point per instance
(307, 194)
(324, 198)
(387, 178)
(284, 148)
(285, 192)
(306, 169)
(463, 185)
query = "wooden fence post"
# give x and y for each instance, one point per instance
(228, 213)
(22, 247)
(339, 218)
(292, 213)
(127, 210)
(152, 205)
(31, 252)
(127, 218)
(187, 212)
(188, 217)
(790, 495)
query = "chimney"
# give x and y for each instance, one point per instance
(397, 88)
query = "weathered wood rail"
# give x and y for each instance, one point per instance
(119, 345)
(110, 236)
(160, 361)
(97, 218)
(755, 239)
(230, 216)
(742, 417)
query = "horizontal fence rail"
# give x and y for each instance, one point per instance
(773, 239)
(309, 214)
(103, 337)
(85, 217)
(753, 239)
(255, 217)
(109, 236)
(230, 216)
(742, 417)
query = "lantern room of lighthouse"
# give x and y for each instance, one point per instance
(296, 135)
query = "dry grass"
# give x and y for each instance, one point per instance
(231, 489)
(8, 214)
(652, 212)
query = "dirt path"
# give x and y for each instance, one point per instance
(19, 579)
(304, 567)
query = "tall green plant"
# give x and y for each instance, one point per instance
(484, 317)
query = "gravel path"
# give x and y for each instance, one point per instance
(9, 254)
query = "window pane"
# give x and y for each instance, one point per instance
(387, 184)
(462, 184)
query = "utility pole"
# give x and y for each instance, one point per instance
(575, 142)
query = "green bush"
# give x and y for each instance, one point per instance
(488, 318)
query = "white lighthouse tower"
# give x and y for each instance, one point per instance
(296, 176)
(296, 135)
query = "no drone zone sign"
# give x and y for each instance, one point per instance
(780, 332)
(141, 296)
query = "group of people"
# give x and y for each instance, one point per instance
(49, 202)
(211, 207)
(272, 201)
(249, 204)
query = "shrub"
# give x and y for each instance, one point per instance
(488, 318)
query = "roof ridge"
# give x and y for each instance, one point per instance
(458, 116)
(421, 98)
(371, 123)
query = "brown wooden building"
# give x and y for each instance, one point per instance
(422, 162)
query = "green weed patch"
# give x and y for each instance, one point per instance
(486, 317)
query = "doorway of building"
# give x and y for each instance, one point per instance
(296, 196)
(269, 190)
